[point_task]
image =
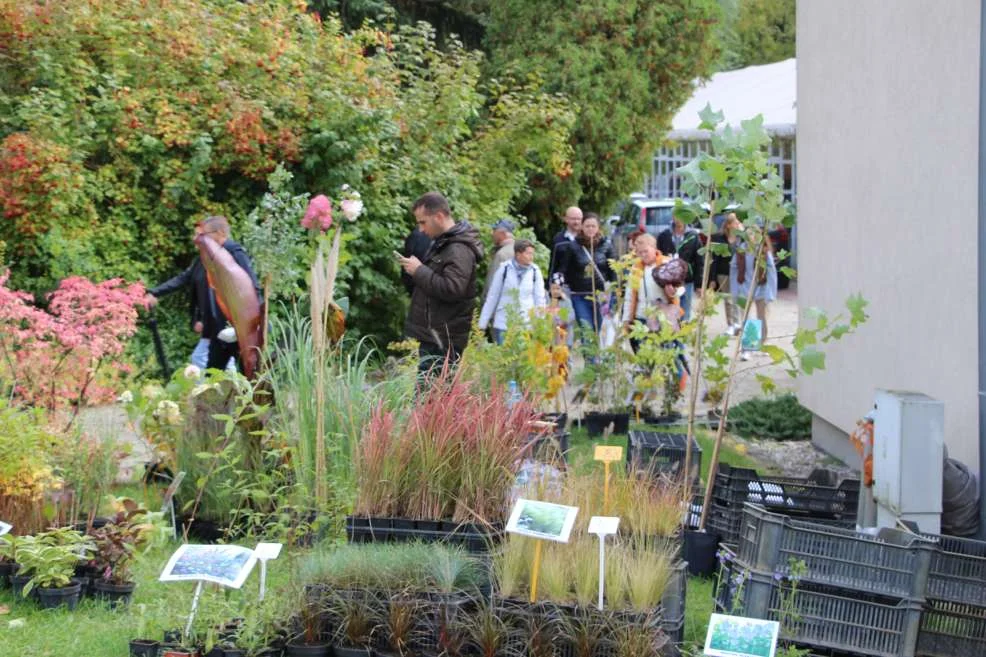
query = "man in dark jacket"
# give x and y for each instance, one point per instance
(573, 225)
(216, 326)
(683, 242)
(445, 288)
(200, 303)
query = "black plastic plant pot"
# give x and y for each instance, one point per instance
(18, 582)
(596, 423)
(429, 525)
(144, 647)
(115, 594)
(7, 568)
(233, 652)
(700, 552)
(63, 596)
(402, 523)
(309, 650)
(345, 651)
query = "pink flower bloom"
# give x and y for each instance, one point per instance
(319, 214)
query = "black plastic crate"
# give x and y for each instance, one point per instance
(662, 453)
(892, 562)
(822, 617)
(958, 571)
(950, 629)
(474, 538)
(817, 496)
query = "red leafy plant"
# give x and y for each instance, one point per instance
(117, 542)
(52, 357)
(454, 457)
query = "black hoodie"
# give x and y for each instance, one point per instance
(445, 289)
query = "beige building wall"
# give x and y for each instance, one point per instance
(888, 130)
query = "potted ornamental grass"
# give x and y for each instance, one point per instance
(50, 559)
(116, 546)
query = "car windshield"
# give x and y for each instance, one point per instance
(660, 216)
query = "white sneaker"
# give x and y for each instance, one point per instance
(732, 330)
(744, 355)
(228, 335)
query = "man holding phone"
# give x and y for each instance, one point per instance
(445, 288)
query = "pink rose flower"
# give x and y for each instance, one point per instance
(319, 214)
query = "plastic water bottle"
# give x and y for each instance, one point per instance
(513, 394)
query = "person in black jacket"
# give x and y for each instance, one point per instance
(683, 242)
(216, 327)
(200, 303)
(416, 244)
(719, 276)
(573, 225)
(585, 265)
(445, 289)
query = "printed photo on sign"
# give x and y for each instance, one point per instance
(228, 565)
(734, 636)
(4, 527)
(552, 522)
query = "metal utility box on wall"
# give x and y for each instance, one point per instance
(908, 451)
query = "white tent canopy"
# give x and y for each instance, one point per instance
(770, 90)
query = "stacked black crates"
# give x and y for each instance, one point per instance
(661, 453)
(884, 593)
(831, 588)
(820, 498)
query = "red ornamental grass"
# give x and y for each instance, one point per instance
(493, 451)
(437, 426)
(373, 481)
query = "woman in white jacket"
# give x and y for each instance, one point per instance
(516, 283)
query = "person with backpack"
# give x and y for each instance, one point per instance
(516, 283)
(681, 241)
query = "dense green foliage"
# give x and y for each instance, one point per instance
(123, 123)
(777, 418)
(755, 32)
(627, 65)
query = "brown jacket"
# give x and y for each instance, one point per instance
(445, 289)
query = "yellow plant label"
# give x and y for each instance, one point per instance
(608, 453)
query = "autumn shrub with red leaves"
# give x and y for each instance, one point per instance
(53, 358)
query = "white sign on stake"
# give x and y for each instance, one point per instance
(4, 527)
(603, 526)
(168, 507)
(265, 552)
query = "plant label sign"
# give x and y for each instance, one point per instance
(608, 453)
(4, 527)
(227, 565)
(735, 636)
(268, 551)
(544, 520)
(169, 494)
(604, 525)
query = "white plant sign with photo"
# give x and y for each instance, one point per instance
(543, 520)
(227, 565)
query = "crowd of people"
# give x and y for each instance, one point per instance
(441, 258)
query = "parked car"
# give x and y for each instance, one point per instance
(650, 215)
